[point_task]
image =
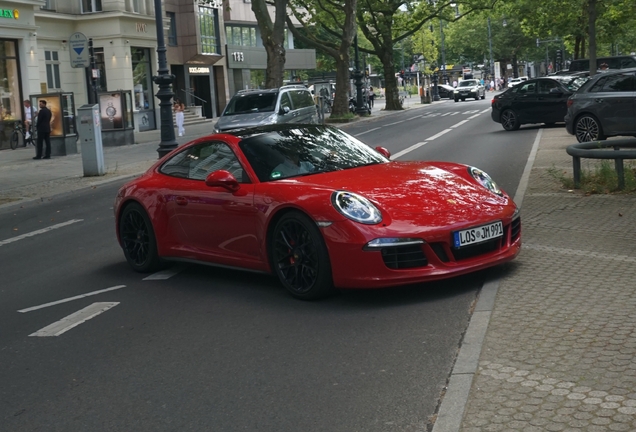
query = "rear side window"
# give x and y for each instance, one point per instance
(527, 88)
(195, 163)
(619, 83)
(546, 85)
(301, 99)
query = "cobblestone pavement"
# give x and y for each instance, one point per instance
(560, 350)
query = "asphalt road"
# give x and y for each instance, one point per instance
(221, 350)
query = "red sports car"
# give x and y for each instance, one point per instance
(316, 207)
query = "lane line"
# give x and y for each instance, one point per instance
(413, 118)
(365, 132)
(439, 134)
(394, 123)
(485, 111)
(40, 231)
(407, 150)
(71, 299)
(460, 123)
(445, 114)
(455, 113)
(525, 177)
(164, 274)
(74, 319)
(474, 116)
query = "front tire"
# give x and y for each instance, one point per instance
(510, 120)
(300, 258)
(138, 239)
(587, 128)
(14, 140)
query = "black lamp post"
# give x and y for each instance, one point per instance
(164, 81)
(357, 75)
(435, 89)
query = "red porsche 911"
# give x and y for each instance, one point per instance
(316, 207)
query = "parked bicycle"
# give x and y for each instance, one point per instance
(18, 130)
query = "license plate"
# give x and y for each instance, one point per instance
(478, 234)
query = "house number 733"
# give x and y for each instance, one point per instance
(238, 56)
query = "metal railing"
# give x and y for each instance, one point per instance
(188, 92)
(600, 150)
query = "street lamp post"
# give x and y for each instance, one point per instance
(357, 75)
(441, 30)
(164, 81)
(492, 65)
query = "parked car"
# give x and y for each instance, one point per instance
(445, 91)
(317, 208)
(615, 62)
(470, 88)
(603, 107)
(540, 100)
(288, 104)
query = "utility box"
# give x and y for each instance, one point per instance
(90, 133)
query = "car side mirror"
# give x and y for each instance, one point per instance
(224, 179)
(383, 151)
(556, 91)
(283, 110)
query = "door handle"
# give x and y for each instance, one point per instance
(181, 200)
(598, 100)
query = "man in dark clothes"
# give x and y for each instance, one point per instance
(44, 131)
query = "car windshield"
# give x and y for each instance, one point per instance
(251, 103)
(468, 83)
(286, 153)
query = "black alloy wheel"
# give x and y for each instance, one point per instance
(509, 120)
(587, 128)
(299, 257)
(138, 239)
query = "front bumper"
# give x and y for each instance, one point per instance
(436, 259)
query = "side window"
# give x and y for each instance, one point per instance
(527, 88)
(619, 83)
(612, 63)
(628, 62)
(284, 101)
(546, 85)
(197, 162)
(598, 86)
(301, 99)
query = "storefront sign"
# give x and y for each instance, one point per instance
(9, 13)
(238, 56)
(199, 70)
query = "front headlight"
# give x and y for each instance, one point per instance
(356, 207)
(485, 180)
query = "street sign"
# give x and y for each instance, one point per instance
(78, 44)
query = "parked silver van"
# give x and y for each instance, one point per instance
(287, 104)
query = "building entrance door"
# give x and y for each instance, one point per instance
(200, 87)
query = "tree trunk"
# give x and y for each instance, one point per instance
(591, 8)
(391, 91)
(272, 34)
(341, 102)
(577, 47)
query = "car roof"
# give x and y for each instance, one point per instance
(273, 90)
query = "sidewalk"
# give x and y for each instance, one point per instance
(553, 342)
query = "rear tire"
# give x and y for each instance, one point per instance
(510, 120)
(587, 128)
(14, 140)
(138, 239)
(299, 257)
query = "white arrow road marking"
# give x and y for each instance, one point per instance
(71, 298)
(165, 274)
(74, 319)
(41, 231)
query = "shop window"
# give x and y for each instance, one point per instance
(89, 6)
(208, 27)
(52, 61)
(172, 30)
(100, 64)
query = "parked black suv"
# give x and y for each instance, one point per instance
(616, 62)
(604, 106)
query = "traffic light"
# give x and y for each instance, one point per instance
(537, 42)
(558, 56)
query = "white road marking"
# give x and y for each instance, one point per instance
(474, 116)
(485, 111)
(525, 177)
(394, 123)
(408, 150)
(460, 123)
(74, 319)
(413, 118)
(365, 132)
(71, 298)
(439, 134)
(445, 114)
(455, 113)
(41, 231)
(165, 274)
(470, 112)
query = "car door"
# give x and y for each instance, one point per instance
(551, 101)
(211, 221)
(304, 109)
(614, 104)
(525, 102)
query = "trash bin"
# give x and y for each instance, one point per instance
(90, 134)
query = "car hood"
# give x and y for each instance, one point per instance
(236, 121)
(411, 187)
